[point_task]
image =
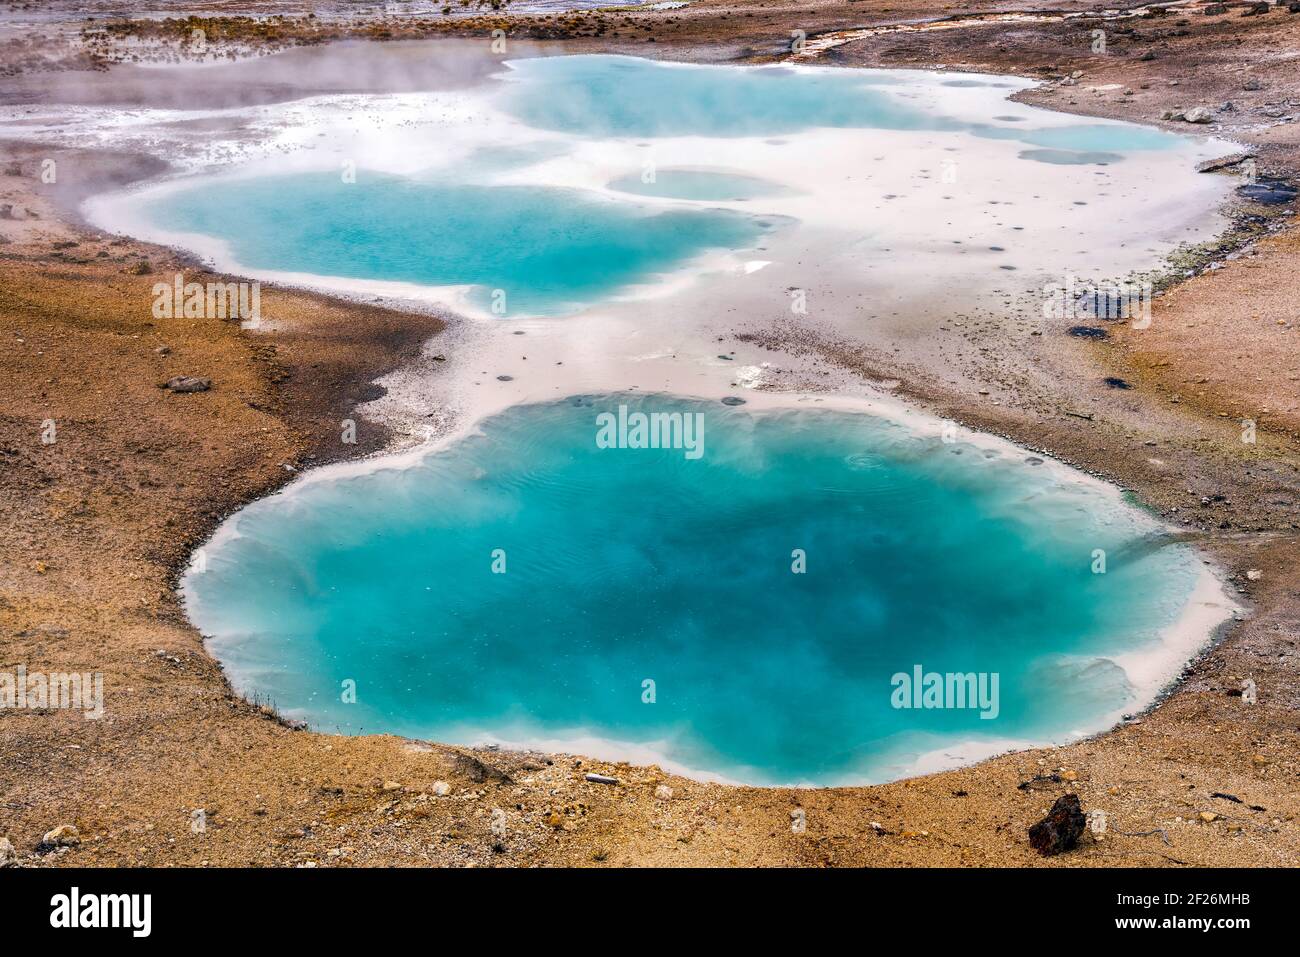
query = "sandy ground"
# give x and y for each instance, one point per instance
(97, 525)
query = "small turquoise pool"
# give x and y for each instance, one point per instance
(532, 250)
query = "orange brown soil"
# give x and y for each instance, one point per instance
(96, 526)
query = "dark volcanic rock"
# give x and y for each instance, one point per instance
(1061, 829)
(1088, 332)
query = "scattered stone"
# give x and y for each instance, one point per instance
(1255, 9)
(141, 268)
(7, 853)
(1088, 332)
(441, 788)
(1226, 797)
(478, 772)
(1214, 9)
(65, 835)
(163, 351)
(1097, 821)
(600, 779)
(733, 400)
(1223, 162)
(505, 378)
(1198, 114)
(188, 383)
(664, 793)
(1208, 816)
(1038, 781)
(1249, 692)
(1061, 829)
(392, 786)
(1115, 382)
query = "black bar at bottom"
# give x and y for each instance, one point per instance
(599, 908)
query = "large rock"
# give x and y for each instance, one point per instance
(1061, 829)
(1199, 114)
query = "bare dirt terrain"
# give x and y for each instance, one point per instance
(96, 526)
